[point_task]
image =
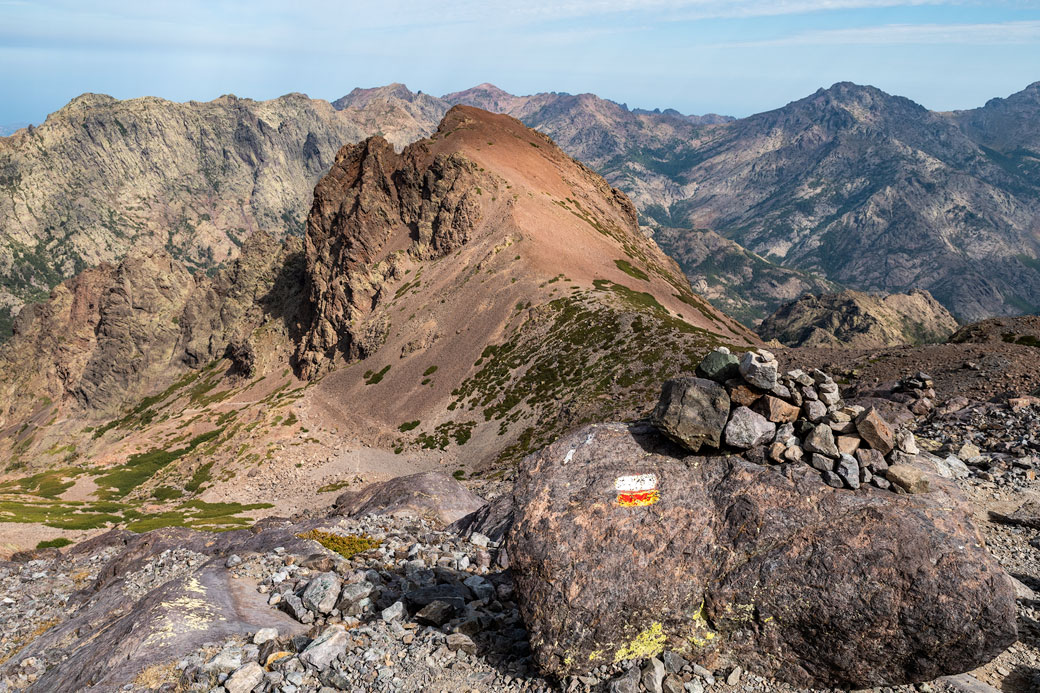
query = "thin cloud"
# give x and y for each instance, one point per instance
(1000, 33)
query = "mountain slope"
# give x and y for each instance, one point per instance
(456, 304)
(860, 321)
(871, 191)
(101, 176)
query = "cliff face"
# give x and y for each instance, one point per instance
(101, 177)
(859, 320)
(116, 332)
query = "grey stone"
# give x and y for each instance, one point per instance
(734, 676)
(692, 412)
(814, 410)
(481, 588)
(747, 428)
(394, 612)
(673, 662)
(821, 462)
(326, 647)
(848, 470)
(832, 479)
(653, 675)
(245, 679)
(626, 683)
(233, 560)
(871, 459)
(436, 613)
(821, 440)
(322, 592)
(293, 605)
(759, 368)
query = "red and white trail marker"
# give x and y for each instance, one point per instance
(636, 489)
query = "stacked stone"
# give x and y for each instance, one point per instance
(796, 417)
(916, 392)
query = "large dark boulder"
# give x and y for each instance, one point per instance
(729, 561)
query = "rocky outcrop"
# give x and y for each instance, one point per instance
(728, 560)
(114, 333)
(859, 320)
(430, 495)
(195, 178)
(372, 204)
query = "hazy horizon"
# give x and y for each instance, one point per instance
(734, 57)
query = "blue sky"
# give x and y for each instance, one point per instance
(726, 56)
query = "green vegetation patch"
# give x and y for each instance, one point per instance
(405, 427)
(374, 378)
(602, 360)
(54, 543)
(195, 514)
(429, 371)
(632, 271)
(50, 484)
(348, 545)
(333, 486)
(141, 467)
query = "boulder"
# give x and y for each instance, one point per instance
(719, 365)
(692, 412)
(322, 593)
(732, 561)
(1027, 515)
(747, 428)
(430, 495)
(877, 434)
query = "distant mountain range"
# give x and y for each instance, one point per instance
(849, 186)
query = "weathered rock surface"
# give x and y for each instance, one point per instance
(693, 411)
(760, 565)
(430, 495)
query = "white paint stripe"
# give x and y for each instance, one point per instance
(636, 482)
(569, 457)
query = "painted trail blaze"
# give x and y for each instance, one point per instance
(636, 490)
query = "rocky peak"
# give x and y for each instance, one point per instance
(860, 320)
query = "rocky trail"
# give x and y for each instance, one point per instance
(414, 585)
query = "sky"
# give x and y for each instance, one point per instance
(735, 57)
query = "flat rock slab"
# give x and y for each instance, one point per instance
(431, 495)
(109, 640)
(728, 561)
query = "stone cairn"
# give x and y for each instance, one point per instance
(795, 417)
(916, 392)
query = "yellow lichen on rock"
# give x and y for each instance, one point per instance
(648, 643)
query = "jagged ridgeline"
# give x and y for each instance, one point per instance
(473, 296)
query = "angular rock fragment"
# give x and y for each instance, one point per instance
(909, 478)
(776, 409)
(821, 440)
(322, 592)
(692, 412)
(873, 429)
(759, 368)
(747, 428)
